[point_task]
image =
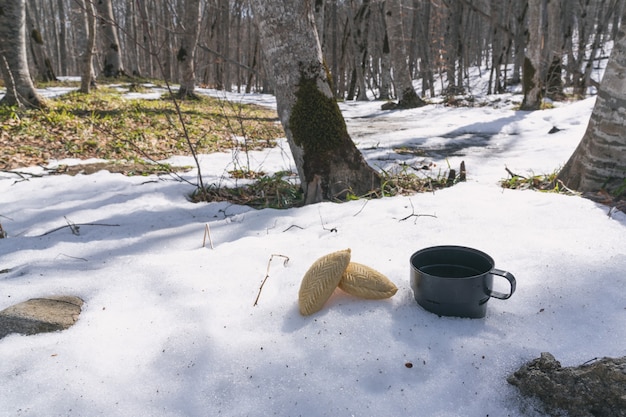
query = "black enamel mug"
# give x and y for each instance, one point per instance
(456, 281)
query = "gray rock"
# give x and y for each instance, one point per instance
(40, 315)
(596, 389)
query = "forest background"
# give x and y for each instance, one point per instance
(443, 39)
(371, 49)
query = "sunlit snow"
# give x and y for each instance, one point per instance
(169, 328)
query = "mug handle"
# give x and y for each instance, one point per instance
(509, 277)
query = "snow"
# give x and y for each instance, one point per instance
(169, 327)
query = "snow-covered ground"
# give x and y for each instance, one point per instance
(169, 328)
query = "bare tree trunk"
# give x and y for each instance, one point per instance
(166, 50)
(319, 11)
(407, 97)
(520, 11)
(426, 67)
(582, 20)
(62, 41)
(222, 63)
(78, 34)
(599, 161)
(133, 42)
(237, 12)
(252, 58)
(87, 78)
(360, 34)
(532, 80)
(328, 162)
(499, 47)
(554, 51)
(604, 13)
(413, 43)
(146, 31)
(43, 66)
(452, 52)
(334, 59)
(108, 30)
(187, 51)
(13, 62)
(381, 53)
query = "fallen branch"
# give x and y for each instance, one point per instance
(23, 175)
(413, 214)
(267, 275)
(76, 227)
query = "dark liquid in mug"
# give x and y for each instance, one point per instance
(450, 271)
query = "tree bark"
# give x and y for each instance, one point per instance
(42, 70)
(383, 56)
(108, 30)
(422, 17)
(554, 51)
(499, 47)
(532, 83)
(520, 10)
(319, 11)
(334, 40)
(360, 33)
(405, 93)
(187, 51)
(13, 62)
(62, 40)
(222, 33)
(328, 163)
(582, 19)
(87, 78)
(599, 161)
(144, 27)
(452, 47)
(603, 18)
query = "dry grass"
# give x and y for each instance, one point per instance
(109, 126)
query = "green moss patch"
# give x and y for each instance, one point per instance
(316, 121)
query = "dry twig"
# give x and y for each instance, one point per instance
(333, 229)
(267, 275)
(293, 225)
(413, 214)
(207, 232)
(75, 227)
(513, 174)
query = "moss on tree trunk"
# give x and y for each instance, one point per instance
(410, 100)
(333, 167)
(532, 92)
